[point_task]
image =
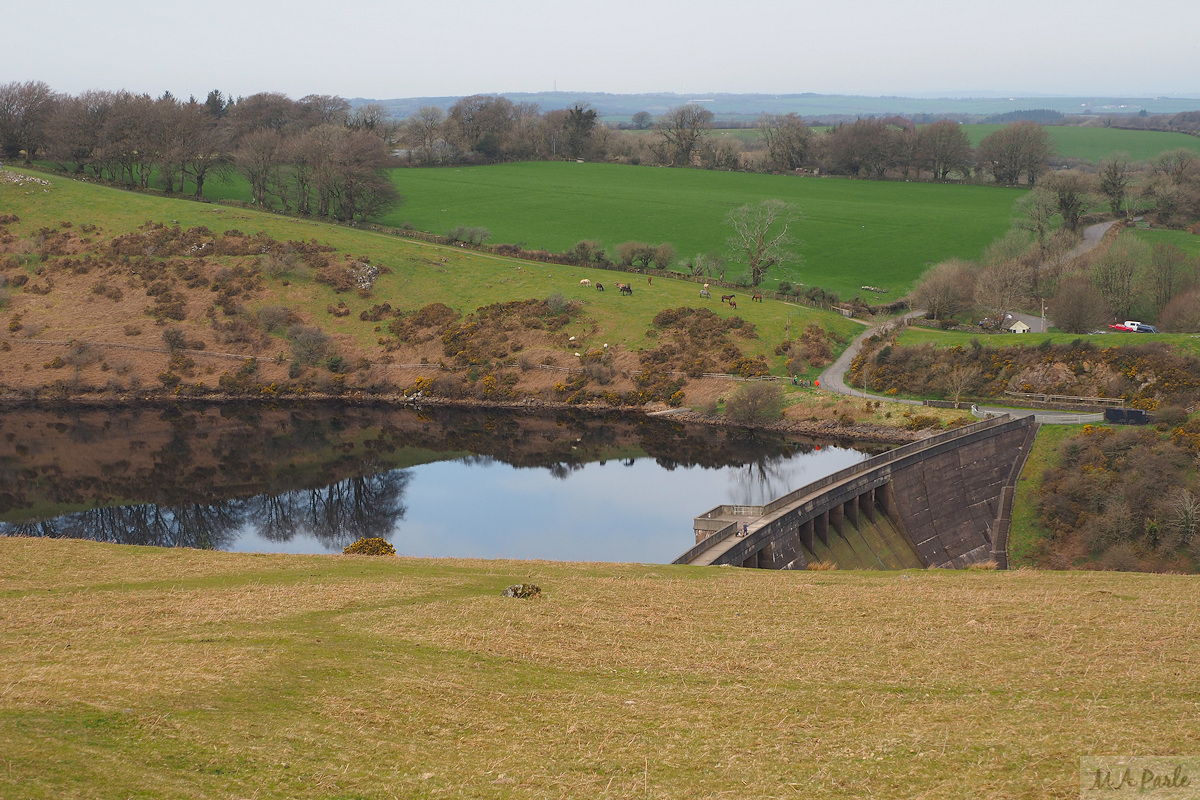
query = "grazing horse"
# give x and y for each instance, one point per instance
(585, 282)
(704, 293)
(649, 280)
(756, 298)
(732, 304)
(599, 287)
(727, 298)
(625, 288)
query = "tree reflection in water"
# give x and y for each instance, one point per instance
(335, 515)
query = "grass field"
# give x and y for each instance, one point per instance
(1188, 242)
(1187, 343)
(854, 233)
(1094, 144)
(134, 672)
(1089, 144)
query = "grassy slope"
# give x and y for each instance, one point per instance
(1094, 144)
(854, 233)
(420, 274)
(132, 672)
(1026, 531)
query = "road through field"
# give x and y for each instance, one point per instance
(834, 377)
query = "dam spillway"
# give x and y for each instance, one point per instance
(944, 501)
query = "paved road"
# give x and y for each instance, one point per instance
(834, 377)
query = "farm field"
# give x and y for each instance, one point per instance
(1089, 144)
(1188, 242)
(1186, 343)
(1094, 144)
(854, 233)
(195, 674)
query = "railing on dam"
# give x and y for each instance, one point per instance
(722, 528)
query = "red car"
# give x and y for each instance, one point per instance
(1121, 328)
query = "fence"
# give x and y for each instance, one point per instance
(1115, 402)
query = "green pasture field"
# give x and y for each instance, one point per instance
(1094, 144)
(853, 233)
(417, 273)
(1187, 343)
(1188, 242)
(148, 673)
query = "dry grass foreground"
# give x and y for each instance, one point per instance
(131, 672)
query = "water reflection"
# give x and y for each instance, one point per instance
(334, 516)
(446, 483)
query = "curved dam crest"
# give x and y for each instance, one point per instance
(945, 501)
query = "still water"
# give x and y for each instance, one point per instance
(445, 483)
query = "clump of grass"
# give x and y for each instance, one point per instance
(990, 564)
(821, 566)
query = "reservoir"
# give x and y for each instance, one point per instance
(434, 482)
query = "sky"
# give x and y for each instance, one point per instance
(382, 49)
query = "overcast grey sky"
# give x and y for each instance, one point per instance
(397, 48)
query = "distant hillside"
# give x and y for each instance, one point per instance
(734, 106)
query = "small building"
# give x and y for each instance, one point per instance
(1018, 327)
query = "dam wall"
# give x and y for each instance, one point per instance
(942, 502)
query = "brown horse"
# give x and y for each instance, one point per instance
(756, 298)
(732, 304)
(727, 298)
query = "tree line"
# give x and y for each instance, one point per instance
(313, 156)
(318, 155)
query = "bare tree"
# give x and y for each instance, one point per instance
(24, 110)
(1072, 192)
(1115, 273)
(1022, 149)
(864, 147)
(423, 134)
(943, 148)
(1169, 272)
(1000, 287)
(960, 379)
(946, 289)
(682, 129)
(788, 140)
(1182, 313)
(1037, 210)
(761, 232)
(1078, 306)
(1179, 166)
(258, 159)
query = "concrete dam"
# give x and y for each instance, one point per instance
(945, 501)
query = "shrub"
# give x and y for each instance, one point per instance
(309, 345)
(558, 303)
(373, 546)
(468, 234)
(755, 401)
(273, 318)
(174, 339)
